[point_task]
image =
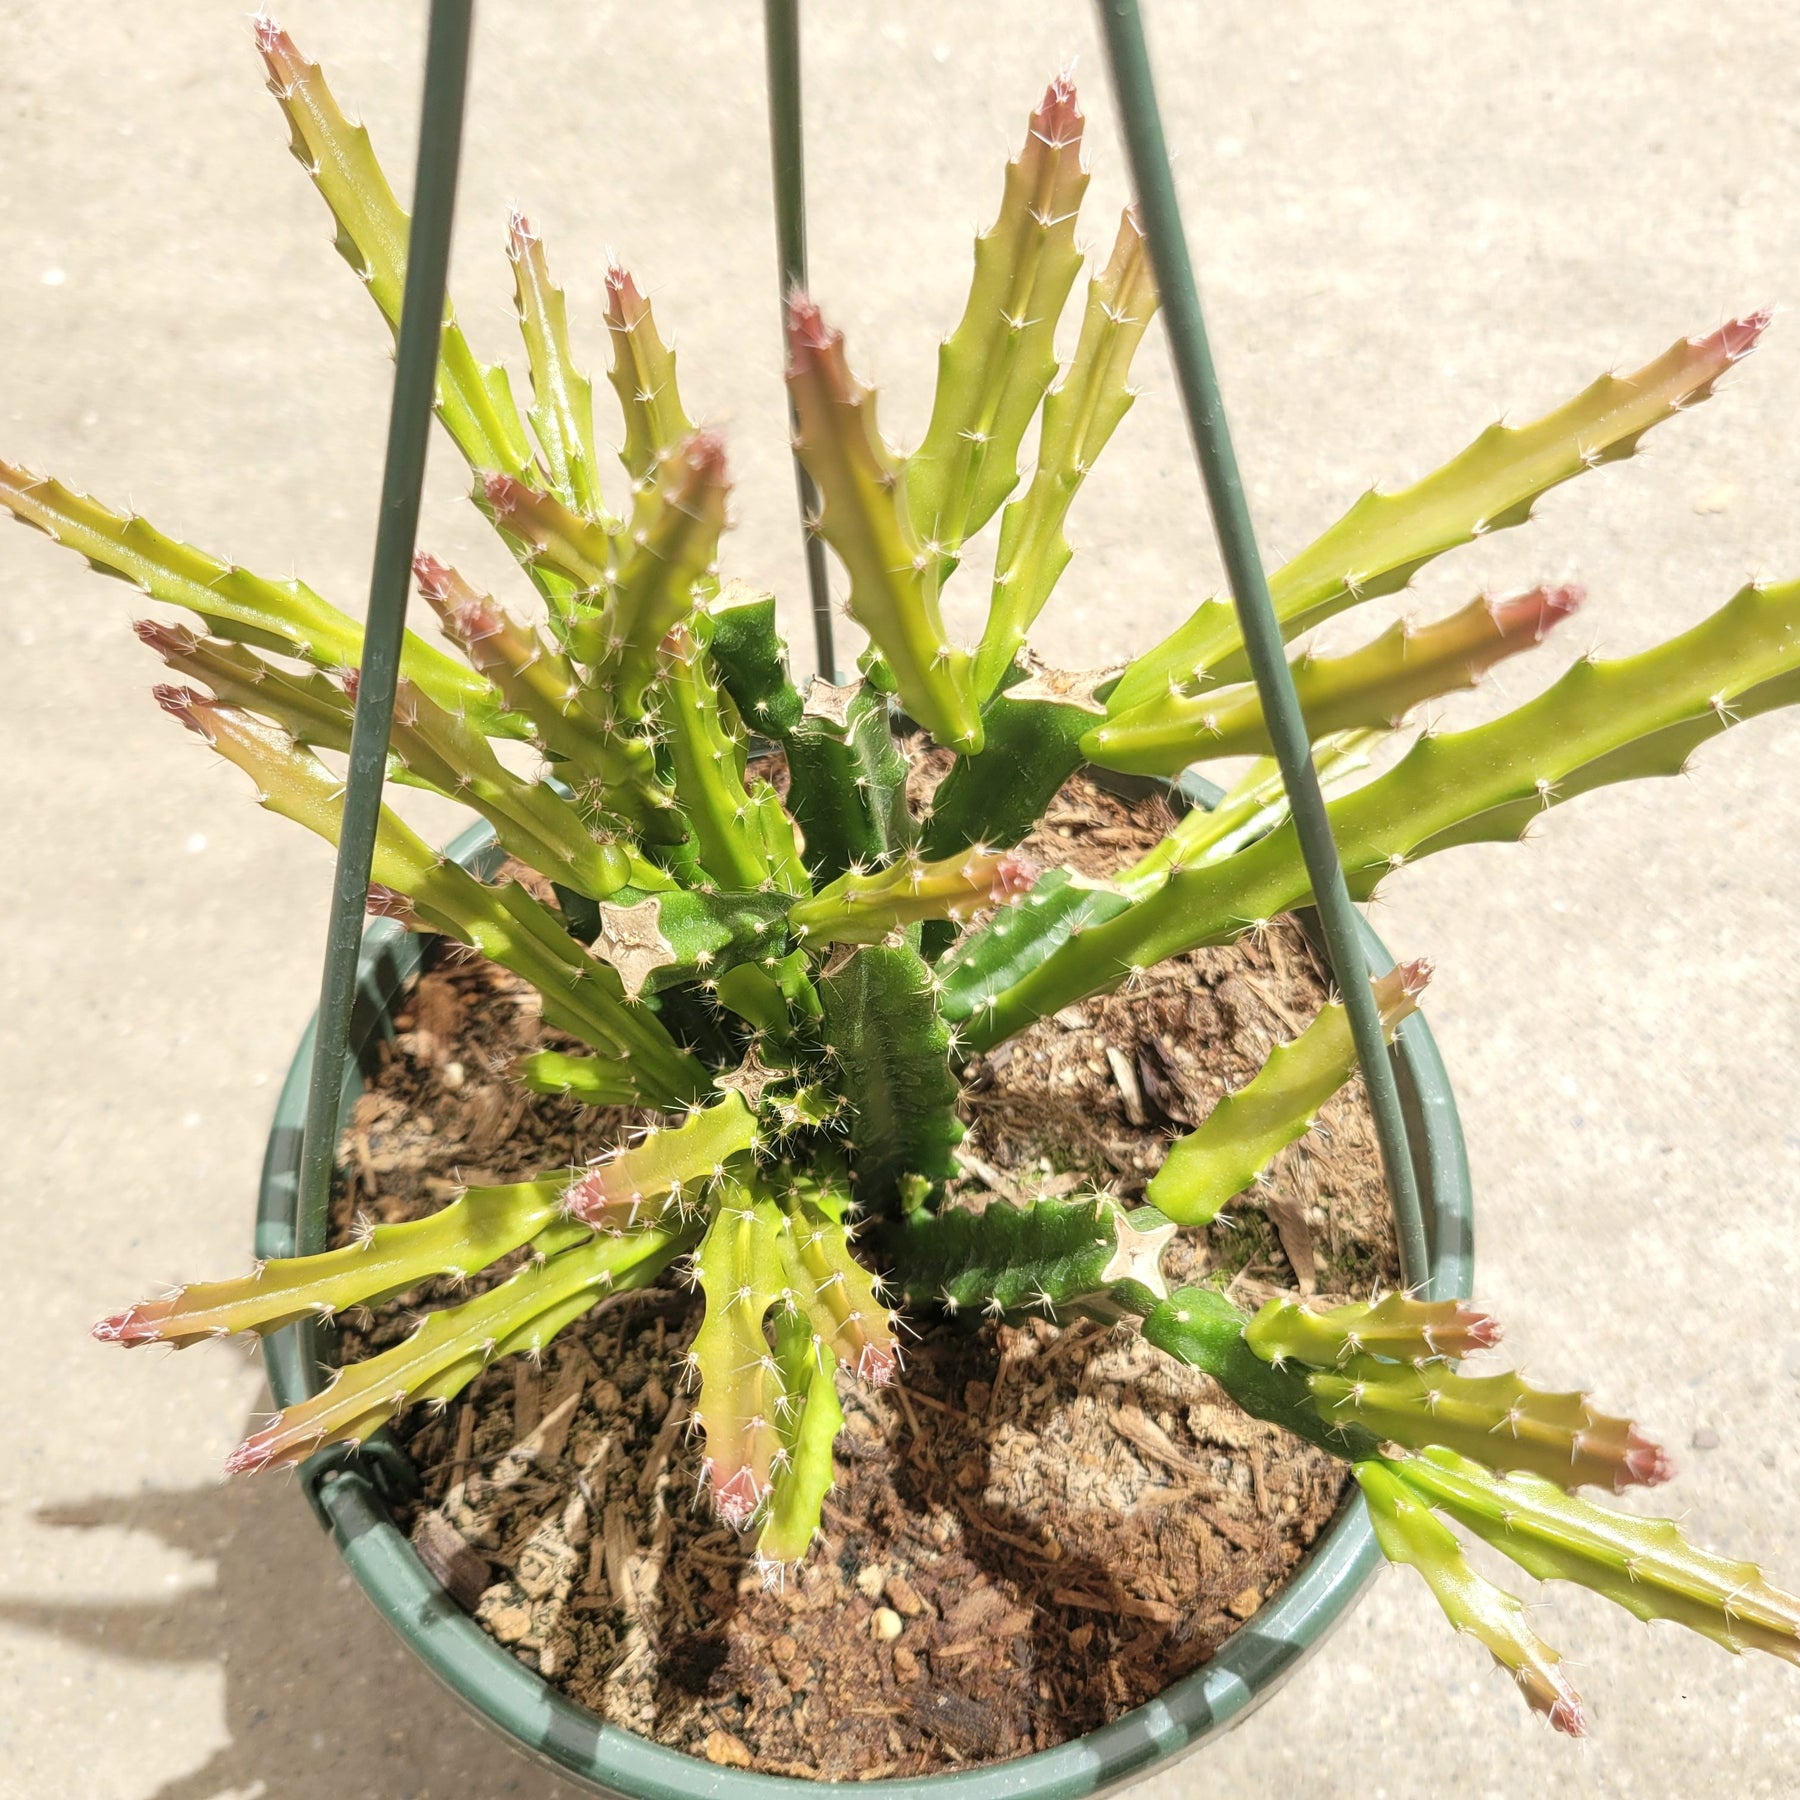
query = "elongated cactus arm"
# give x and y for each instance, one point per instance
(750, 655)
(1080, 414)
(865, 908)
(1396, 1327)
(679, 1163)
(1603, 721)
(1048, 1255)
(309, 707)
(233, 602)
(580, 995)
(1373, 688)
(461, 1240)
(668, 571)
(545, 531)
(814, 1418)
(742, 1398)
(1251, 808)
(643, 376)
(1385, 538)
(849, 1321)
(474, 401)
(452, 1346)
(562, 398)
(1409, 1534)
(890, 1059)
(993, 369)
(847, 779)
(893, 592)
(743, 838)
(1500, 1420)
(1246, 1130)
(1643, 1565)
(1031, 745)
(593, 1080)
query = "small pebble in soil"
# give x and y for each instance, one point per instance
(886, 1624)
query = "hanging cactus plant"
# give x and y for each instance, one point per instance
(846, 954)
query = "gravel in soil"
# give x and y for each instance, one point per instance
(1040, 1528)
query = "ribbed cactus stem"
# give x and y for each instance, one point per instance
(233, 602)
(452, 1346)
(1643, 1565)
(993, 369)
(743, 838)
(678, 1163)
(1396, 1327)
(643, 376)
(863, 908)
(474, 400)
(847, 779)
(1372, 688)
(593, 1080)
(580, 995)
(838, 1296)
(812, 1420)
(1602, 722)
(664, 576)
(547, 532)
(1386, 537)
(750, 654)
(562, 398)
(462, 1239)
(1246, 1130)
(742, 1397)
(1080, 414)
(1499, 1420)
(1411, 1535)
(893, 578)
(310, 707)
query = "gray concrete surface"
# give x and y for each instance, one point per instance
(1409, 218)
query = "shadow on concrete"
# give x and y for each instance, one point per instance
(320, 1698)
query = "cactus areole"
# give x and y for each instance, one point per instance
(785, 982)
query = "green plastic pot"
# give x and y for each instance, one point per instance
(352, 1491)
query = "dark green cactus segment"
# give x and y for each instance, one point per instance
(593, 1080)
(659, 940)
(890, 1059)
(1643, 1565)
(1045, 1256)
(1200, 1327)
(994, 959)
(993, 369)
(1499, 1420)
(1385, 538)
(1396, 1327)
(1031, 745)
(1411, 1535)
(750, 655)
(847, 780)
(1603, 721)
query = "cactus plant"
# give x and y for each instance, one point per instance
(786, 987)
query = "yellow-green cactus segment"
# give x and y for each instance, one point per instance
(459, 1241)
(863, 517)
(593, 1080)
(742, 1398)
(1643, 1565)
(848, 1318)
(1396, 1327)
(1410, 1534)
(863, 908)
(474, 401)
(671, 1164)
(452, 1346)
(562, 398)
(1372, 688)
(1080, 414)
(643, 376)
(993, 369)
(803, 1475)
(1246, 1130)
(1384, 538)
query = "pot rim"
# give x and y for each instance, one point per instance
(351, 1489)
